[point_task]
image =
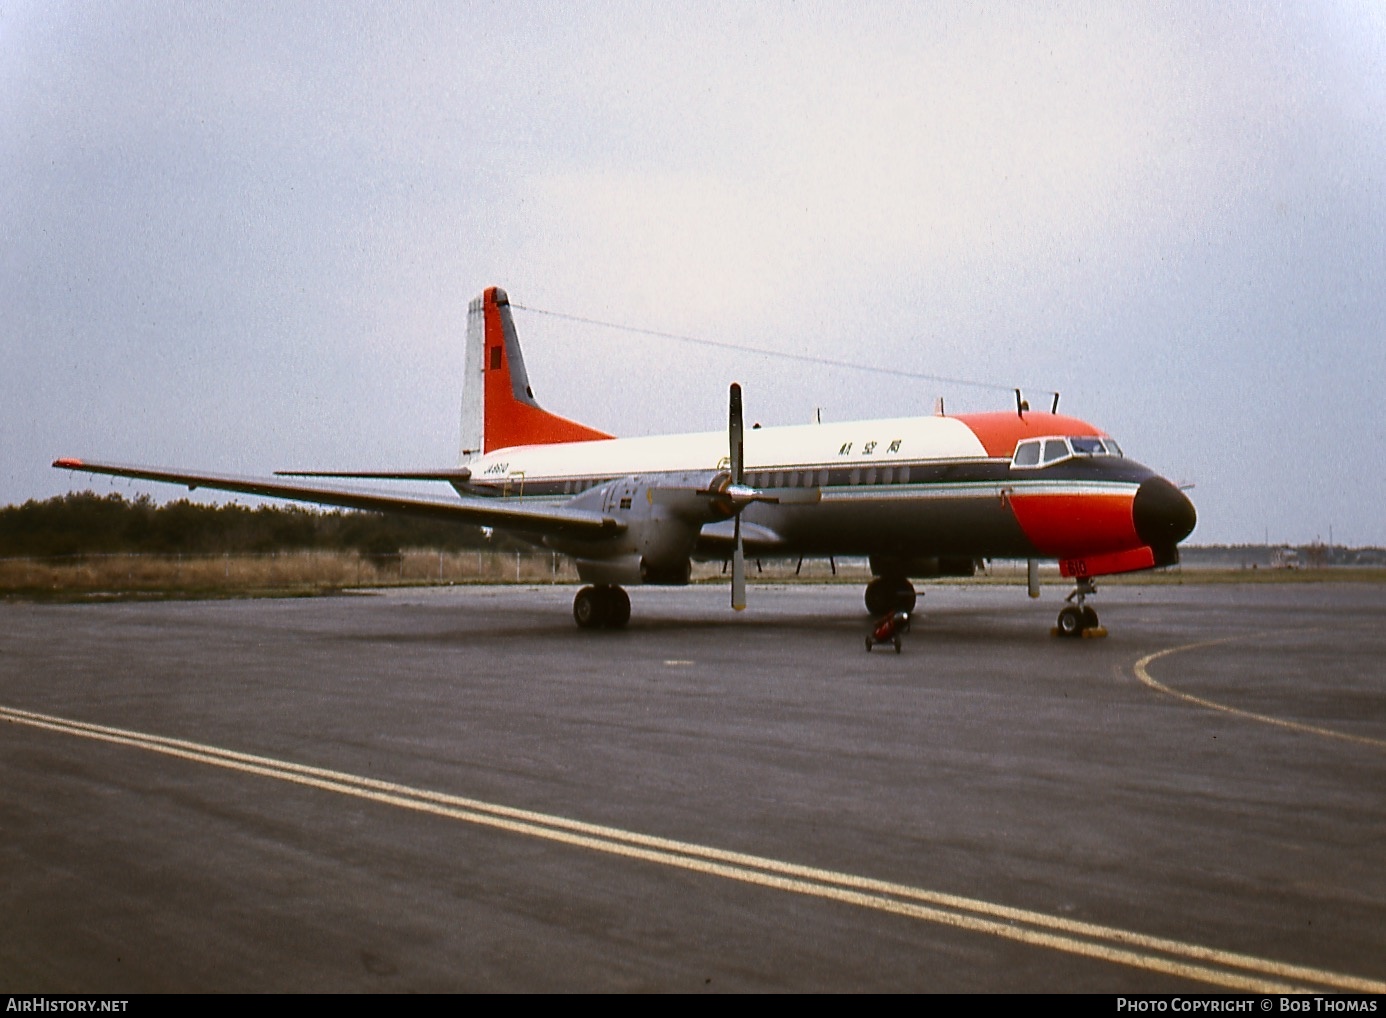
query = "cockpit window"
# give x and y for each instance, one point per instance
(1086, 446)
(1041, 452)
(1027, 454)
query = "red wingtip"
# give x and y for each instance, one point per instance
(70, 464)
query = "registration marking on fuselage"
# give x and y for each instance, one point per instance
(1090, 940)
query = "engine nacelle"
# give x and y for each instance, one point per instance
(663, 515)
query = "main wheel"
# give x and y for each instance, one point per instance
(590, 608)
(885, 595)
(1071, 621)
(618, 608)
(1089, 618)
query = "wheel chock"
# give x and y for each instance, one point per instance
(1095, 633)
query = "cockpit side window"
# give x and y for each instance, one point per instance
(1027, 454)
(1055, 449)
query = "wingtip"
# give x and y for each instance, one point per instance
(67, 463)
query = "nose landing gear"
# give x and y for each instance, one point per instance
(1078, 618)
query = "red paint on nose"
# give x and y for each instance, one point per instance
(1073, 524)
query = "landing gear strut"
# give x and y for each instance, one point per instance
(886, 595)
(601, 607)
(1077, 618)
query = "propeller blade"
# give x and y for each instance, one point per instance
(737, 465)
(738, 597)
(735, 437)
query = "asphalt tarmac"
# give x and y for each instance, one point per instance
(455, 789)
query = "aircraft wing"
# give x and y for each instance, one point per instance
(480, 512)
(718, 539)
(450, 474)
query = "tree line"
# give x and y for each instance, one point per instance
(86, 523)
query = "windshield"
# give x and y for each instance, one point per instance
(1086, 446)
(1041, 452)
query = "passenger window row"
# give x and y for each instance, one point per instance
(821, 478)
(824, 478)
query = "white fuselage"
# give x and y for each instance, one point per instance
(556, 470)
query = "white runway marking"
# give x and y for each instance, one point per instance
(1104, 943)
(1143, 673)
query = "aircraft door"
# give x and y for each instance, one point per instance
(619, 496)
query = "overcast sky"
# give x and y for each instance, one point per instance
(243, 236)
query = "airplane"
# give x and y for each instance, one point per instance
(919, 497)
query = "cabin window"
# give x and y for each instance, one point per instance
(871, 476)
(904, 475)
(854, 477)
(888, 475)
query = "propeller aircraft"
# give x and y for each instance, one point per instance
(919, 497)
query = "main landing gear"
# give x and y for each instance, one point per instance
(1077, 618)
(887, 595)
(601, 607)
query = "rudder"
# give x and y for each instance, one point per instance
(498, 405)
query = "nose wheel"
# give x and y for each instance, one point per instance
(601, 607)
(1077, 618)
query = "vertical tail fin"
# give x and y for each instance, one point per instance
(498, 406)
